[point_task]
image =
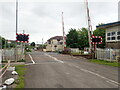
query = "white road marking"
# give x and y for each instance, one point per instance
(87, 71)
(54, 58)
(31, 59)
(112, 83)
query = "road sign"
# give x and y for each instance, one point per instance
(22, 38)
(96, 40)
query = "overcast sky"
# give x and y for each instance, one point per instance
(42, 19)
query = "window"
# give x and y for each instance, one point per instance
(118, 33)
(108, 38)
(118, 37)
(113, 38)
(49, 42)
(108, 34)
(61, 43)
(112, 33)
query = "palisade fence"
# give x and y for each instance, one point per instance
(108, 54)
(10, 54)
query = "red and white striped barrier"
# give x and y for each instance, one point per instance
(4, 69)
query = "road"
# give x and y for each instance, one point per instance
(52, 70)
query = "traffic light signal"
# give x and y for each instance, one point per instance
(96, 40)
(22, 38)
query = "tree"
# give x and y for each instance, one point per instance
(79, 38)
(83, 38)
(72, 38)
(32, 44)
(100, 32)
(2, 42)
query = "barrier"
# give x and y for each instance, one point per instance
(4, 69)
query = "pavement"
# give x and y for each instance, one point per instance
(53, 70)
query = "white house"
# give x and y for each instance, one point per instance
(54, 43)
(112, 34)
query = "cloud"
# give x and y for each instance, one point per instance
(43, 19)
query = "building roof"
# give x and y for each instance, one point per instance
(56, 37)
(11, 40)
(109, 25)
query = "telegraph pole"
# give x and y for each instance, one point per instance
(23, 46)
(16, 29)
(42, 44)
(89, 27)
(64, 41)
(16, 16)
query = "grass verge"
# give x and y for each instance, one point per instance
(20, 69)
(115, 64)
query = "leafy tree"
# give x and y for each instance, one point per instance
(33, 44)
(12, 44)
(42, 46)
(83, 38)
(79, 38)
(100, 32)
(2, 42)
(72, 38)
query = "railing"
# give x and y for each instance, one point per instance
(108, 54)
(10, 54)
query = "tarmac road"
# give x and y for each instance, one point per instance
(52, 70)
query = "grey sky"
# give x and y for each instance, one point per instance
(43, 19)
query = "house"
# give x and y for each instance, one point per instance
(54, 43)
(11, 41)
(112, 34)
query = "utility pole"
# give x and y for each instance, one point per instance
(16, 16)
(16, 29)
(64, 41)
(42, 44)
(23, 46)
(89, 27)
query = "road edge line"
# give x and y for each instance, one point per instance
(31, 59)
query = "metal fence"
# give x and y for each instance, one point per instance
(10, 54)
(108, 54)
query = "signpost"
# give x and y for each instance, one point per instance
(96, 40)
(22, 38)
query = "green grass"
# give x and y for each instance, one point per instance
(22, 60)
(20, 69)
(115, 64)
